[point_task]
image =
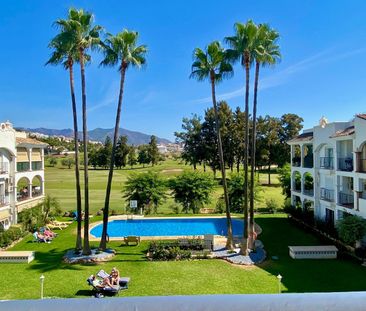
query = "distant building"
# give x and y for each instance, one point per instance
(21, 173)
(328, 169)
(162, 149)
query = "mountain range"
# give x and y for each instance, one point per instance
(100, 134)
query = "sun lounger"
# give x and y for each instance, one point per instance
(99, 288)
(123, 281)
(57, 225)
(37, 239)
(131, 239)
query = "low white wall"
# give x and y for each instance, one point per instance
(354, 301)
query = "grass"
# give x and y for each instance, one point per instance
(173, 278)
(60, 183)
(183, 277)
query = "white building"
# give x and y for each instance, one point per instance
(21, 173)
(328, 169)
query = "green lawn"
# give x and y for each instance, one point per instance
(185, 277)
(173, 278)
(60, 183)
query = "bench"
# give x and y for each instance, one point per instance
(131, 239)
(16, 256)
(313, 252)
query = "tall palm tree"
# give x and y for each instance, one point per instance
(242, 50)
(266, 52)
(212, 64)
(64, 53)
(121, 50)
(79, 26)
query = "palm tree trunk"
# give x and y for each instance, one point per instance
(78, 245)
(252, 165)
(244, 247)
(103, 240)
(229, 241)
(86, 247)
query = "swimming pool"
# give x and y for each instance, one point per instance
(169, 227)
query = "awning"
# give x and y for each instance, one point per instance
(36, 154)
(22, 155)
(4, 214)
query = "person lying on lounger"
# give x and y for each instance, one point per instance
(47, 232)
(101, 283)
(41, 238)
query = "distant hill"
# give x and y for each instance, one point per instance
(100, 134)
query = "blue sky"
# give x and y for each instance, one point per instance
(323, 70)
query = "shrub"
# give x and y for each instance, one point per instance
(161, 250)
(192, 189)
(272, 205)
(236, 192)
(220, 206)
(351, 228)
(175, 208)
(9, 236)
(149, 189)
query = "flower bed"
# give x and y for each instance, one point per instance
(177, 250)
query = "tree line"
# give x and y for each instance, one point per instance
(125, 155)
(190, 189)
(199, 139)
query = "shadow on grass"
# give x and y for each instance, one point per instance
(84, 292)
(306, 275)
(51, 260)
(265, 184)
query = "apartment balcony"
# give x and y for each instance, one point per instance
(4, 200)
(23, 166)
(309, 192)
(345, 164)
(36, 165)
(296, 161)
(326, 163)
(309, 161)
(4, 168)
(346, 199)
(327, 195)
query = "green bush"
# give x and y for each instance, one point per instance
(351, 228)
(9, 236)
(272, 205)
(164, 251)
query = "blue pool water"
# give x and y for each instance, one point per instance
(169, 227)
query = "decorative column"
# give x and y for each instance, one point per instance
(357, 164)
(292, 153)
(42, 186)
(30, 190)
(30, 158)
(302, 155)
(42, 158)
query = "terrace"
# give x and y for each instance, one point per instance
(327, 194)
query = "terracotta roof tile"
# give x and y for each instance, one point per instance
(302, 138)
(347, 131)
(29, 141)
(362, 116)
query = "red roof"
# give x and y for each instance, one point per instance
(362, 116)
(29, 141)
(347, 131)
